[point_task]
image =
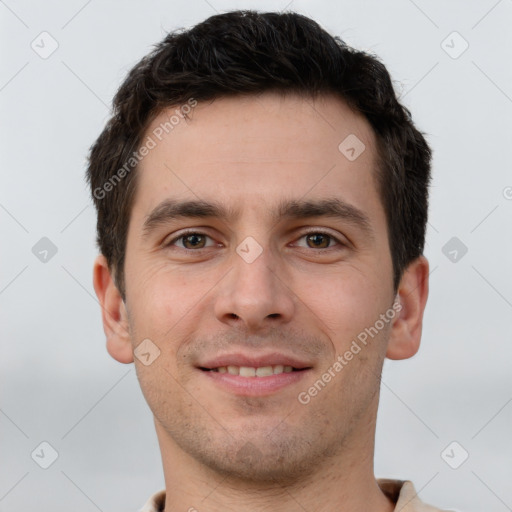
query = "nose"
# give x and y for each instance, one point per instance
(255, 295)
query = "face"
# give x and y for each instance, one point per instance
(255, 242)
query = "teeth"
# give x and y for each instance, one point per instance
(233, 370)
(248, 371)
(264, 371)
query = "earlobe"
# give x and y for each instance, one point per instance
(113, 312)
(412, 293)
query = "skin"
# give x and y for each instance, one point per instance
(218, 448)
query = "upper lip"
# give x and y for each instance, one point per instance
(254, 361)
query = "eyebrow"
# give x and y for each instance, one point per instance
(170, 209)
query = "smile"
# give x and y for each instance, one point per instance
(254, 381)
(249, 371)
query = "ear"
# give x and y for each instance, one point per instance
(412, 296)
(113, 312)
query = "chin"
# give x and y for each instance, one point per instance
(261, 459)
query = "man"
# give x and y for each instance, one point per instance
(262, 200)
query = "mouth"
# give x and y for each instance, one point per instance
(244, 375)
(251, 371)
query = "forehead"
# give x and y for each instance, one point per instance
(251, 151)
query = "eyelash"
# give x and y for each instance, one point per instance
(192, 232)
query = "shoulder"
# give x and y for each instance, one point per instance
(403, 493)
(155, 503)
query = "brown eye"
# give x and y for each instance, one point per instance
(318, 240)
(193, 241)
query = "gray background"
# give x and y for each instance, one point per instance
(59, 385)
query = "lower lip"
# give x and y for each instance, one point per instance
(255, 386)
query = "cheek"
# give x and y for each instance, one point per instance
(345, 304)
(167, 305)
